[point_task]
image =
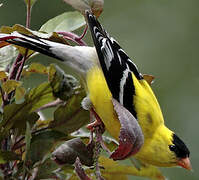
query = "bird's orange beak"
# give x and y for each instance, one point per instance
(185, 163)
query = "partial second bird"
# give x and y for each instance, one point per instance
(110, 74)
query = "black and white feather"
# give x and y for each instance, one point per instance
(116, 65)
(79, 58)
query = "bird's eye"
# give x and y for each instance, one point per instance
(172, 147)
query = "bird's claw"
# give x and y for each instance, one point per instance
(97, 123)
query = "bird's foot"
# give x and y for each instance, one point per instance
(97, 123)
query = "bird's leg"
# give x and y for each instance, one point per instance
(95, 120)
(96, 126)
(99, 128)
(97, 123)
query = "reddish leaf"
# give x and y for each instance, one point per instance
(131, 138)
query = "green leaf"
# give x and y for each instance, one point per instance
(10, 85)
(71, 116)
(39, 96)
(6, 156)
(17, 27)
(43, 143)
(20, 95)
(7, 55)
(16, 115)
(68, 21)
(112, 167)
(45, 170)
(35, 68)
(27, 141)
(32, 2)
(28, 137)
(3, 75)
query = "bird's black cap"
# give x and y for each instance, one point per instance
(179, 147)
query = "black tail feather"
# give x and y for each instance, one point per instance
(33, 43)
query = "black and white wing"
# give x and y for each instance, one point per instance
(116, 65)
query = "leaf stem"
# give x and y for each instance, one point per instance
(28, 14)
(74, 37)
(51, 104)
(83, 34)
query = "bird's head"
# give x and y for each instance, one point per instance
(165, 149)
(181, 152)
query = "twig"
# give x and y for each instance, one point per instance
(97, 153)
(20, 69)
(51, 104)
(80, 171)
(28, 19)
(28, 14)
(104, 146)
(16, 146)
(98, 127)
(20, 59)
(15, 67)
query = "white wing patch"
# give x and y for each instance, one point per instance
(107, 52)
(122, 83)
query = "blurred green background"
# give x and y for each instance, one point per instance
(162, 36)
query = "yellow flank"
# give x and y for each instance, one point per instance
(146, 105)
(157, 137)
(101, 99)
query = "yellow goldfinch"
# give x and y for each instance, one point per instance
(111, 78)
